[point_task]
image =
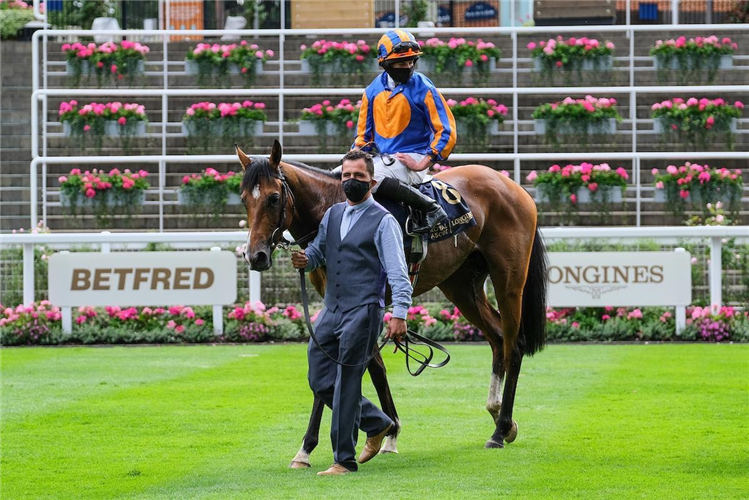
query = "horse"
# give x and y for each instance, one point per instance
(504, 245)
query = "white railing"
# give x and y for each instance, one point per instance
(42, 93)
(636, 188)
(714, 233)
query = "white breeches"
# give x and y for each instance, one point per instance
(397, 171)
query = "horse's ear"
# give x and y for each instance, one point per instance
(275, 154)
(243, 158)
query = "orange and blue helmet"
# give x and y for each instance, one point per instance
(397, 44)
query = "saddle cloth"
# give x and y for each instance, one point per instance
(450, 200)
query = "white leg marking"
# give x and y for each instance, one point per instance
(302, 456)
(494, 401)
(391, 442)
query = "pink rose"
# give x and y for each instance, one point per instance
(90, 193)
(593, 186)
(86, 128)
(659, 185)
(684, 194)
(122, 120)
(469, 63)
(349, 124)
(199, 322)
(573, 198)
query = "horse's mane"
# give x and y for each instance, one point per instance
(262, 169)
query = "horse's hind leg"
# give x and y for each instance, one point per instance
(509, 281)
(311, 437)
(378, 373)
(465, 289)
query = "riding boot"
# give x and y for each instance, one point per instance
(402, 192)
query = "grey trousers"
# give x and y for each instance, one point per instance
(348, 337)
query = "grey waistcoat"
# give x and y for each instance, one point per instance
(355, 275)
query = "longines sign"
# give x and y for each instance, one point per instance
(619, 279)
(143, 278)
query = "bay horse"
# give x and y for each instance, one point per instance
(504, 244)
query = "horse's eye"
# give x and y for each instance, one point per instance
(274, 199)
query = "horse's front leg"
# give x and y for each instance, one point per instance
(311, 437)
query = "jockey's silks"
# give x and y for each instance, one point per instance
(413, 118)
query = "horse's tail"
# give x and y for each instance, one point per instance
(533, 320)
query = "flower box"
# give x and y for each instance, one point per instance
(111, 128)
(186, 198)
(605, 63)
(607, 126)
(726, 62)
(428, 65)
(659, 129)
(614, 195)
(336, 66)
(193, 68)
(246, 127)
(308, 127)
(111, 200)
(70, 70)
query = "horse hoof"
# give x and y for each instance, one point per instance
(510, 437)
(493, 444)
(298, 465)
(385, 450)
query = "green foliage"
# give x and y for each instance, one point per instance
(13, 20)
(691, 59)
(208, 192)
(579, 117)
(82, 13)
(739, 13)
(110, 194)
(699, 187)
(454, 58)
(414, 11)
(215, 62)
(697, 123)
(572, 55)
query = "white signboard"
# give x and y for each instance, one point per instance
(596, 279)
(142, 279)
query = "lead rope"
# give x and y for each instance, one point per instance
(423, 360)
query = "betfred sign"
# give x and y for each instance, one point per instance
(142, 278)
(596, 279)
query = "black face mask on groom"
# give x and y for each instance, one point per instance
(355, 189)
(400, 75)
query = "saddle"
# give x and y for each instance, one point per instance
(415, 245)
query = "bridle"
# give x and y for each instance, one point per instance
(282, 242)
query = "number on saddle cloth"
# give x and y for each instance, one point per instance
(449, 198)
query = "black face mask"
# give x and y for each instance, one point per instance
(355, 189)
(400, 75)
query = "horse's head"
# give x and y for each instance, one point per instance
(269, 204)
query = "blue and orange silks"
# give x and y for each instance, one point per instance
(413, 118)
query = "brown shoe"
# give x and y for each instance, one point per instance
(373, 445)
(334, 470)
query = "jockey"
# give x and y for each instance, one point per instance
(402, 114)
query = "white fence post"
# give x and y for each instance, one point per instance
(106, 247)
(218, 311)
(680, 315)
(67, 313)
(674, 11)
(255, 294)
(716, 273)
(28, 273)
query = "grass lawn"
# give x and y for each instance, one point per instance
(223, 422)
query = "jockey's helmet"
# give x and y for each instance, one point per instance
(397, 45)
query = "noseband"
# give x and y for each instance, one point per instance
(281, 241)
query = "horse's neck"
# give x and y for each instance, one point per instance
(313, 194)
